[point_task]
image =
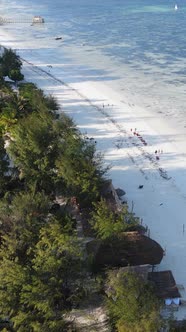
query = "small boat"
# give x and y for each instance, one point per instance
(38, 19)
(58, 38)
(176, 7)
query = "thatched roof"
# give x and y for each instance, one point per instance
(165, 284)
(106, 187)
(140, 270)
(109, 193)
(120, 192)
(130, 248)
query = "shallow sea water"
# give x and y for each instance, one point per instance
(138, 47)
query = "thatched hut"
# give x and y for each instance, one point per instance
(141, 270)
(165, 286)
(108, 192)
(130, 248)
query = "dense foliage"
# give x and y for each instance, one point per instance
(11, 65)
(42, 268)
(108, 223)
(40, 257)
(132, 303)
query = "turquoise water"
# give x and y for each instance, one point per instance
(144, 42)
(136, 28)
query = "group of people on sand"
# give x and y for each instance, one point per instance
(139, 136)
(107, 105)
(157, 152)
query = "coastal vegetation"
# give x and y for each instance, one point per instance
(11, 65)
(132, 303)
(49, 172)
(107, 223)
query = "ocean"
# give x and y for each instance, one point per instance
(137, 47)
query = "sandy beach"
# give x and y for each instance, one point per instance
(128, 135)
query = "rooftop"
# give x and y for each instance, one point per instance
(165, 284)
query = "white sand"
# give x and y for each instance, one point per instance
(162, 201)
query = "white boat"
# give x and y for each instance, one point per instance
(176, 7)
(38, 19)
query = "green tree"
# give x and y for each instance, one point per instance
(9, 61)
(81, 168)
(132, 304)
(22, 220)
(12, 278)
(2, 82)
(57, 264)
(108, 223)
(4, 164)
(13, 108)
(34, 149)
(15, 75)
(51, 103)
(35, 294)
(54, 281)
(36, 98)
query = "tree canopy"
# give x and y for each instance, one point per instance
(35, 295)
(81, 167)
(11, 64)
(108, 223)
(132, 303)
(34, 148)
(42, 267)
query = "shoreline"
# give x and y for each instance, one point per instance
(162, 202)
